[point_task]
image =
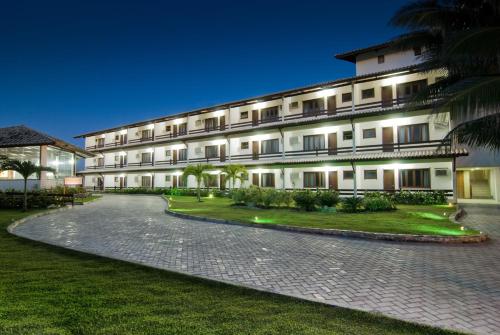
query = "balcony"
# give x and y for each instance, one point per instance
(142, 139)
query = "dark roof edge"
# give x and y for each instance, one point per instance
(236, 103)
(51, 140)
(350, 56)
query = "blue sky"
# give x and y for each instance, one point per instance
(68, 67)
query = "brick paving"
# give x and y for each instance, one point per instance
(450, 286)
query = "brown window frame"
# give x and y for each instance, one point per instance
(365, 132)
(408, 178)
(318, 179)
(368, 93)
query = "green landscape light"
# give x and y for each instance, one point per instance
(210, 196)
(257, 220)
(428, 215)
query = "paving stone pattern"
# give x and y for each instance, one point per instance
(450, 286)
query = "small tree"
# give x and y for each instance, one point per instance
(199, 171)
(25, 169)
(233, 172)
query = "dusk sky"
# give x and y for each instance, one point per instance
(68, 67)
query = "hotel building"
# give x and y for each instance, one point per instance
(353, 135)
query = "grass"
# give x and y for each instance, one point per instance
(407, 219)
(89, 198)
(49, 290)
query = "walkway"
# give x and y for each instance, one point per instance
(452, 286)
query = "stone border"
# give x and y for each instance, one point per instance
(15, 223)
(346, 233)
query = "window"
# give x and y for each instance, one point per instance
(415, 178)
(441, 172)
(293, 105)
(270, 146)
(244, 145)
(100, 161)
(370, 174)
(368, 93)
(313, 106)
(417, 51)
(146, 134)
(267, 179)
(168, 178)
(413, 133)
(168, 129)
(347, 135)
(211, 151)
(369, 133)
(348, 174)
(244, 115)
(407, 90)
(181, 181)
(211, 180)
(146, 181)
(314, 179)
(183, 129)
(99, 142)
(146, 157)
(168, 153)
(183, 154)
(210, 124)
(269, 114)
(381, 59)
(314, 142)
(346, 97)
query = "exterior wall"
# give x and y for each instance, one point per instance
(292, 177)
(368, 63)
(290, 138)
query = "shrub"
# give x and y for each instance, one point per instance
(378, 204)
(305, 200)
(239, 196)
(420, 197)
(328, 198)
(352, 204)
(254, 196)
(283, 198)
(268, 197)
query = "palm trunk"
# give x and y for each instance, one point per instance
(198, 191)
(25, 204)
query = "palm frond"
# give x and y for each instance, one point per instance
(483, 132)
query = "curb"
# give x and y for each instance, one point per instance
(344, 233)
(14, 224)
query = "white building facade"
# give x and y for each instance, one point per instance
(353, 135)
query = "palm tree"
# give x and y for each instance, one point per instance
(25, 169)
(234, 172)
(199, 171)
(460, 38)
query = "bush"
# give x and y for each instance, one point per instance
(283, 198)
(36, 199)
(239, 196)
(352, 204)
(269, 197)
(420, 197)
(378, 204)
(305, 200)
(328, 198)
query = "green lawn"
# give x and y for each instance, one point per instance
(48, 290)
(426, 220)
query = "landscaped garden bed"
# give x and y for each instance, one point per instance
(405, 219)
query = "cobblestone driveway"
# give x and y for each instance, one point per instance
(452, 286)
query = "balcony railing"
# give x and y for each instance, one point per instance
(381, 104)
(171, 135)
(171, 162)
(147, 163)
(141, 139)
